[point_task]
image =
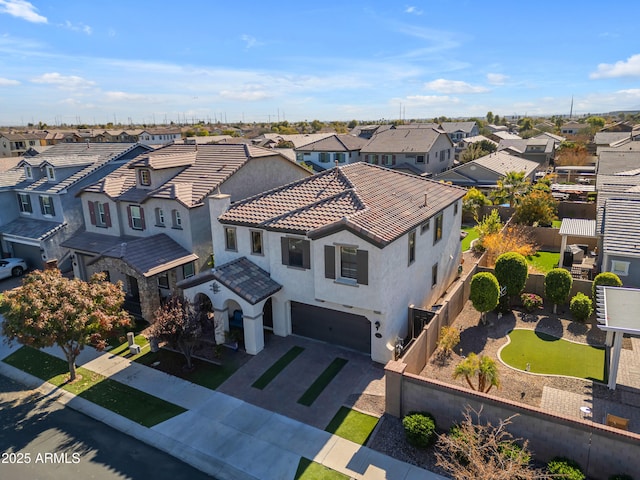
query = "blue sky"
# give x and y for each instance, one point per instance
(146, 62)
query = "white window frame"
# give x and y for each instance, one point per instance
(188, 270)
(101, 216)
(176, 219)
(160, 217)
(23, 204)
(145, 177)
(47, 205)
(136, 218)
(255, 251)
(348, 272)
(51, 173)
(227, 243)
(28, 172)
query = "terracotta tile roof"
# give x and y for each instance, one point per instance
(372, 201)
(201, 170)
(246, 279)
(149, 255)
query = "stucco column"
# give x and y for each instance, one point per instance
(615, 360)
(221, 319)
(393, 372)
(563, 246)
(253, 334)
(609, 338)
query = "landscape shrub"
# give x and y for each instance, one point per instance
(484, 292)
(531, 301)
(512, 271)
(565, 469)
(607, 279)
(557, 286)
(581, 307)
(419, 429)
(449, 338)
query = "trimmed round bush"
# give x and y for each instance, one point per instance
(607, 279)
(581, 307)
(512, 272)
(565, 469)
(557, 285)
(419, 428)
(484, 291)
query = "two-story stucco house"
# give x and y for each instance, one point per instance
(339, 257)
(147, 223)
(38, 206)
(459, 130)
(413, 149)
(159, 136)
(15, 144)
(323, 154)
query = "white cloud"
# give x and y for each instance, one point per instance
(430, 100)
(69, 82)
(250, 41)
(246, 95)
(123, 96)
(628, 68)
(6, 82)
(21, 9)
(80, 27)
(454, 86)
(413, 10)
(497, 78)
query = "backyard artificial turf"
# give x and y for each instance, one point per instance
(550, 355)
(122, 399)
(308, 470)
(321, 382)
(280, 364)
(544, 261)
(352, 425)
(472, 234)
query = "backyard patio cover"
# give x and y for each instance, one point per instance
(617, 311)
(575, 227)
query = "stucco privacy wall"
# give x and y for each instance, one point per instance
(600, 450)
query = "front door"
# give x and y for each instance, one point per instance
(134, 291)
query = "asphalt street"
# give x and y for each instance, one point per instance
(40, 439)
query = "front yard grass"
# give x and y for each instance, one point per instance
(544, 261)
(546, 354)
(205, 374)
(123, 349)
(352, 425)
(308, 470)
(122, 399)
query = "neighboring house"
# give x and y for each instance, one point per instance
(412, 149)
(484, 173)
(620, 231)
(38, 206)
(459, 130)
(465, 143)
(323, 154)
(147, 223)
(15, 144)
(339, 257)
(573, 128)
(272, 140)
(123, 136)
(557, 139)
(538, 149)
(500, 135)
(159, 136)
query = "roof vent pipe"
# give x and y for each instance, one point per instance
(425, 199)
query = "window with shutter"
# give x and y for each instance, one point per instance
(136, 218)
(92, 212)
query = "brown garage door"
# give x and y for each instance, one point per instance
(331, 326)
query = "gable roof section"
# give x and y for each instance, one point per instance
(501, 163)
(246, 279)
(621, 227)
(195, 178)
(403, 140)
(31, 228)
(335, 143)
(376, 203)
(452, 127)
(612, 161)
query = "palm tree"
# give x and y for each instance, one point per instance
(484, 367)
(511, 187)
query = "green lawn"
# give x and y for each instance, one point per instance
(550, 355)
(321, 382)
(472, 234)
(352, 425)
(122, 399)
(556, 223)
(205, 374)
(123, 349)
(277, 367)
(308, 470)
(544, 261)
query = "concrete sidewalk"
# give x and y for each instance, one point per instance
(219, 434)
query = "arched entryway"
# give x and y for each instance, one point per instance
(204, 309)
(267, 315)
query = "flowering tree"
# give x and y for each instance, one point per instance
(49, 309)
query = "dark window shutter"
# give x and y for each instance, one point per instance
(41, 204)
(363, 267)
(92, 212)
(142, 218)
(306, 254)
(284, 244)
(129, 216)
(393, 159)
(329, 261)
(107, 214)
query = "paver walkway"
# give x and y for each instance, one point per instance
(219, 434)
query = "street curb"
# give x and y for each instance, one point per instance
(185, 453)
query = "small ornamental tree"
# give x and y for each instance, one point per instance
(483, 367)
(557, 286)
(473, 200)
(606, 279)
(489, 225)
(49, 309)
(480, 450)
(512, 272)
(581, 307)
(536, 208)
(485, 292)
(178, 323)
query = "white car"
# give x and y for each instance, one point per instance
(12, 267)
